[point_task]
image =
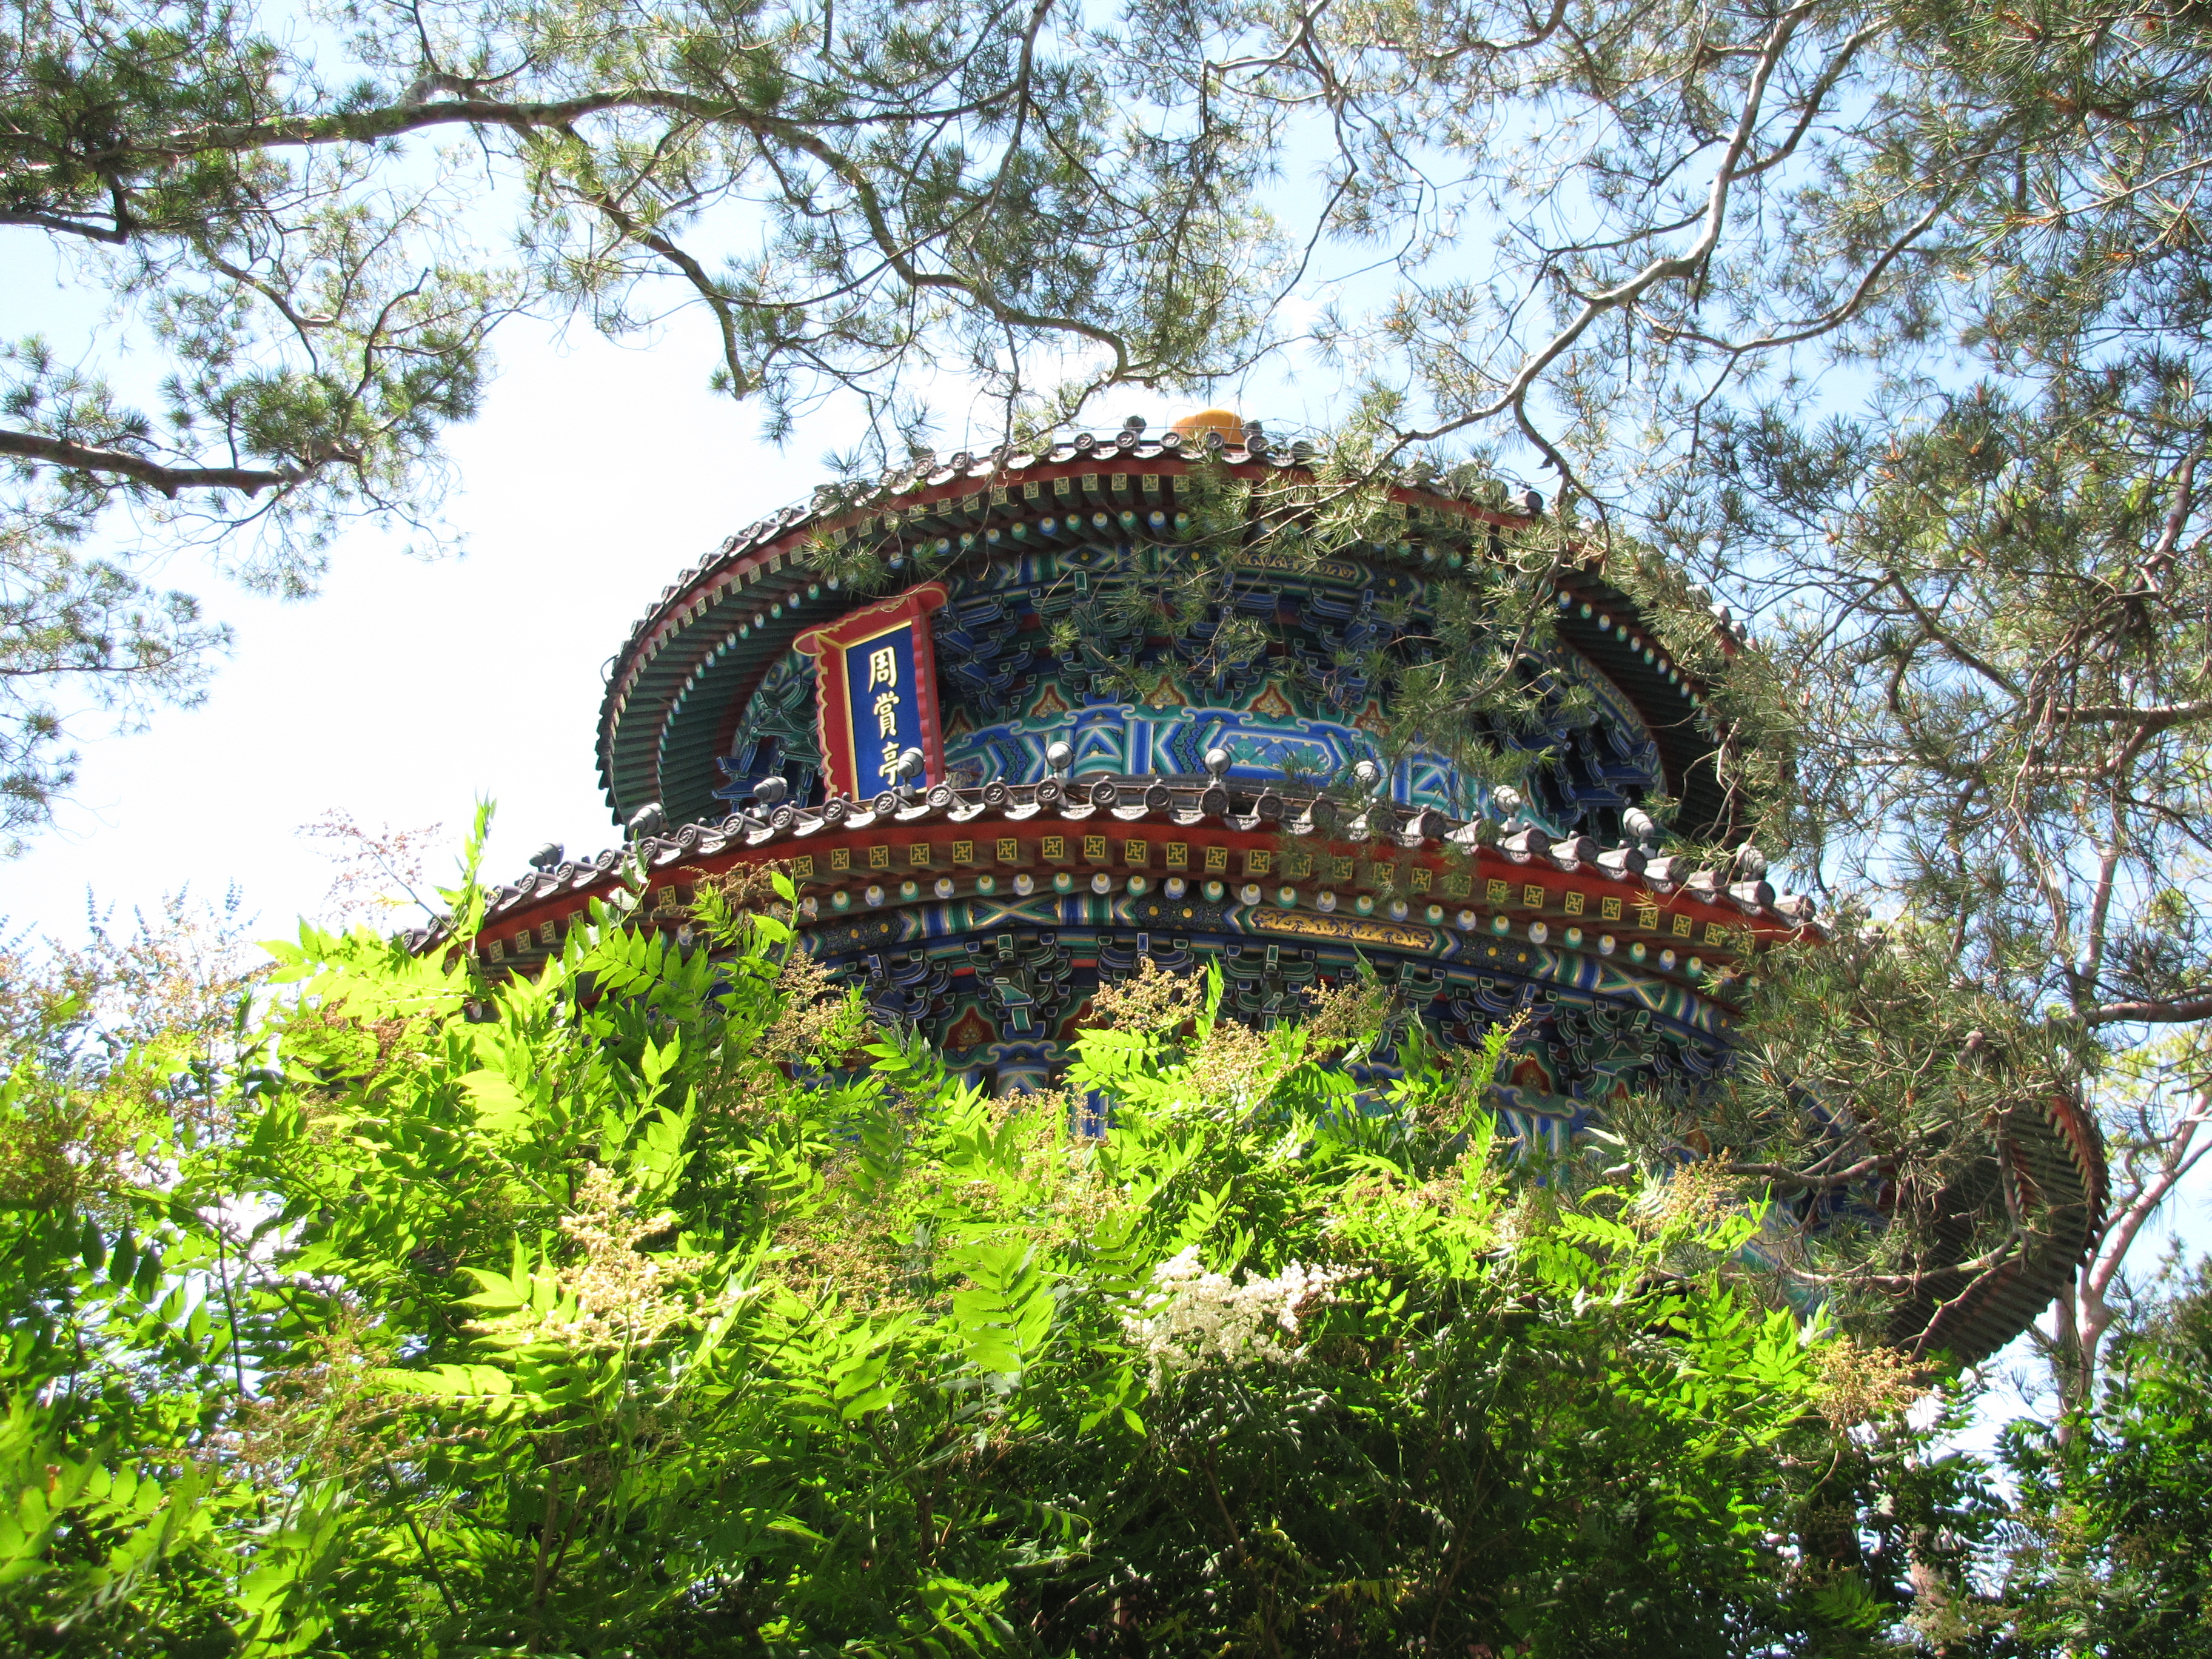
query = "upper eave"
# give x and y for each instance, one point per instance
(687, 643)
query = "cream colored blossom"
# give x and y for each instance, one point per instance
(1150, 1000)
(1347, 1014)
(618, 1293)
(818, 1020)
(1238, 1064)
(1191, 1317)
(1862, 1383)
(1700, 1193)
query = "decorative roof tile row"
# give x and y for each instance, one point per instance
(925, 473)
(1177, 802)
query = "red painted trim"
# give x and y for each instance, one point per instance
(2087, 1147)
(1488, 865)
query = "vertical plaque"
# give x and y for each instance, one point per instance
(875, 692)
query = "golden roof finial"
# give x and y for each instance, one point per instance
(1227, 422)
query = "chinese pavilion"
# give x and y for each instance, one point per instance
(989, 815)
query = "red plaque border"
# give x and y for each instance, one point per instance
(833, 714)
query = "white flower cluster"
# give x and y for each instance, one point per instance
(1191, 1316)
(616, 1290)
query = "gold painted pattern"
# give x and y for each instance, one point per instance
(1356, 929)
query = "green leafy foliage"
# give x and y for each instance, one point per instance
(659, 1305)
(2115, 1540)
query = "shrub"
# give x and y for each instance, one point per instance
(658, 1305)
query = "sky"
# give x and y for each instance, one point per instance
(409, 687)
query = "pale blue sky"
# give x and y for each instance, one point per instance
(409, 687)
